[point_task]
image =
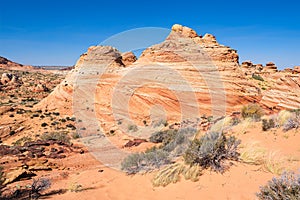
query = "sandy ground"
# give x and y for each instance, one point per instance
(241, 181)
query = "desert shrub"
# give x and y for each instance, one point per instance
(132, 128)
(286, 187)
(39, 185)
(75, 135)
(163, 136)
(291, 123)
(57, 136)
(75, 187)
(177, 143)
(211, 150)
(257, 77)
(268, 124)
(253, 111)
(44, 124)
(138, 162)
(160, 122)
(235, 121)
(173, 141)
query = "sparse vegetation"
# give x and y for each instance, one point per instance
(286, 187)
(57, 136)
(211, 150)
(22, 141)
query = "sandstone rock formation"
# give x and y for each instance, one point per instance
(160, 77)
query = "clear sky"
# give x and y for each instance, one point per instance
(56, 32)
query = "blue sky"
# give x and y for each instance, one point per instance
(56, 32)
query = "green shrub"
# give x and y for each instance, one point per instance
(211, 150)
(257, 77)
(253, 111)
(57, 136)
(286, 187)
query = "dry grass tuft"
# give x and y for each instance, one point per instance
(169, 174)
(253, 154)
(192, 172)
(172, 173)
(283, 117)
(274, 163)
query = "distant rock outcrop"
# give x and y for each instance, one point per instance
(8, 64)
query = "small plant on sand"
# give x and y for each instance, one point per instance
(75, 187)
(253, 111)
(286, 187)
(212, 150)
(37, 186)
